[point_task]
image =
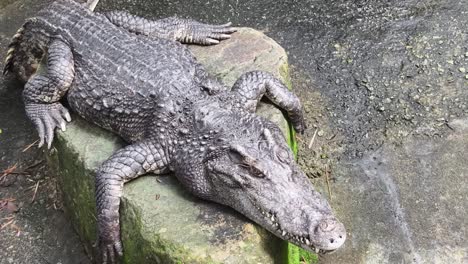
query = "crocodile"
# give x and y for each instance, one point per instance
(134, 77)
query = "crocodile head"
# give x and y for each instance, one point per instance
(259, 178)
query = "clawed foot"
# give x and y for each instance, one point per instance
(110, 246)
(46, 117)
(110, 250)
(298, 123)
(206, 34)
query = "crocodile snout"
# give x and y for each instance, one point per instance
(329, 234)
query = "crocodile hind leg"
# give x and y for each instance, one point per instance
(123, 166)
(252, 86)
(182, 30)
(42, 92)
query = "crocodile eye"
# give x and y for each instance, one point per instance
(256, 172)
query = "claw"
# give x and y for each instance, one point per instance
(212, 41)
(300, 128)
(228, 30)
(223, 25)
(67, 115)
(104, 257)
(49, 132)
(224, 36)
(219, 36)
(63, 127)
(118, 248)
(46, 117)
(41, 143)
(206, 34)
(40, 130)
(110, 250)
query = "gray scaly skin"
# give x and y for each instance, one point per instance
(132, 76)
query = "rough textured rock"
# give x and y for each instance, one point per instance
(161, 222)
(406, 204)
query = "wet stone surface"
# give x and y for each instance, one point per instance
(405, 204)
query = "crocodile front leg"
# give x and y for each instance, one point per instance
(123, 166)
(42, 92)
(252, 86)
(183, 30)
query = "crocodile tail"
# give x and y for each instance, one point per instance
(11, 50)
(26, 50)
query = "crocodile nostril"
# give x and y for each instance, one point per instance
(332, 240)
(341, 236)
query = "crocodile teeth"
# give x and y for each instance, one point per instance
(272, 218)
(317, 250)
(283, 233)
(307, 241)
